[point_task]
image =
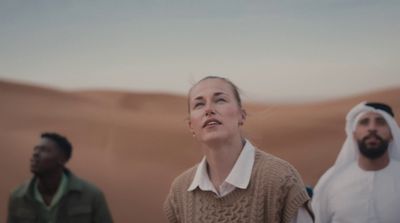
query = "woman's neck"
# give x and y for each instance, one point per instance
(221, 157)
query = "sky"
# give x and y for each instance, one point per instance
(283, 50)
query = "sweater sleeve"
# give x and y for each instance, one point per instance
(295, 195)
(170, 208)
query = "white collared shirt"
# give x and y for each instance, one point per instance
(239, 177)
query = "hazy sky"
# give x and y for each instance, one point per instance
(297, 50)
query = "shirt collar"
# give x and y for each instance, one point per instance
(57, 196)
(238, 177)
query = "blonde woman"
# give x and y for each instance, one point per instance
(234, 182)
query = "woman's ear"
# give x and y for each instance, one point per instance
(242, 116)
(191, 128)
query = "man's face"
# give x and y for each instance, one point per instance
(373, 135)
(46, 157)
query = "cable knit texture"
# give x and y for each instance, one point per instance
(274, 195)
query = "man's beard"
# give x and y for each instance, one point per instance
(372, 153)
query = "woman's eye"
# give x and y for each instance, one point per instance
(196, 105)
(221, 100)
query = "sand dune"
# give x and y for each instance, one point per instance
(133, 144)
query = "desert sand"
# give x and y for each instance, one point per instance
(132, 145)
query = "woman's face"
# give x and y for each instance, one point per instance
(214, 113)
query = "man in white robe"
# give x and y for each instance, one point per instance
(363, 186)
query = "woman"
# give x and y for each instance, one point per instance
(234, 182)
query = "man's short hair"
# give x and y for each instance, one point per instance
(381, 106)
(61, 141)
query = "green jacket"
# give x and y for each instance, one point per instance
(81, 203)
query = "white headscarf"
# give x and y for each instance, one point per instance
(349, 152)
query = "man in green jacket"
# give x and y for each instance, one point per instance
(55, 194)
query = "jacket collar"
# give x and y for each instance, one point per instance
(74, 185)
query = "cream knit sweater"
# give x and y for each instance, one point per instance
(274, 194)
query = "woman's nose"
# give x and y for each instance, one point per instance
(209, 110)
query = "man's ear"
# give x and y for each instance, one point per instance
(63, 160)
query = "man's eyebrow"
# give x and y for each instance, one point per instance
(380, 118)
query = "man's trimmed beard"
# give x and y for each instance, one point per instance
(373, 153)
